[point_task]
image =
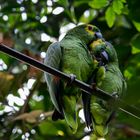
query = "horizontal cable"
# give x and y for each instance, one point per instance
(121, 105)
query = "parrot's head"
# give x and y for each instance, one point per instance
(86, 32)
(103, 51)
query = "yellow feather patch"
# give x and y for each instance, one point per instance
(89, 31)
(96, 43)
(95, 63)
(101, 75)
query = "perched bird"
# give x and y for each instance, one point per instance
(107, 77)
(71, 56)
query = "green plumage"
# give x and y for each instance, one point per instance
(70, 56)
(108, 78)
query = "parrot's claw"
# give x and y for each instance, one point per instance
(93, 85)
(115, 95)
(72, 78)
(106, 67)
(111, 117)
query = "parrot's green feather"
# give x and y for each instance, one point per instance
(69, 106)
(108, 78)
(100, 75)
(71, 56)
(113, 79)
(78, 56)
(53, 58)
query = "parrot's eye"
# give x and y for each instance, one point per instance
(90, 28)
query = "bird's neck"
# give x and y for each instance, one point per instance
(112, 66)
(113, 63)
(77, 38)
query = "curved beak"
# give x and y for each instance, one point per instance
(98, 35)
(104, 56)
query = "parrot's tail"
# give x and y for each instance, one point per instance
(87, 113)
(56, 115)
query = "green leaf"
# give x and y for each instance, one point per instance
(137, 25)
(85, 18)
(135, 50)
(45, 128)
(135, 43)
(124, 1)
(1, 107)
(117, 6)
(56, 128)
(110, 16)
(4, 57)
(97, 4)
(128, 73)
(63, 2)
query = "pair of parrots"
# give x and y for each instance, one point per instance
(83, 54)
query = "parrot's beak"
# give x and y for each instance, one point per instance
(104, 56)
(98, 35)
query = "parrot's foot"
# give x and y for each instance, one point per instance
(115, 95)
(93, 85)
(72, 78)
(113, 102)
(111, 117)
(106, 68)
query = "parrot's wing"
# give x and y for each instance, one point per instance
(53, 58)
(124, 84)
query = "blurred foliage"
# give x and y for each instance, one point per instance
(29, 26)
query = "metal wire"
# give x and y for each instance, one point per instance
(120, 104)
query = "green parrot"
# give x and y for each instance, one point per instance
(71, 56)
(108, 77)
